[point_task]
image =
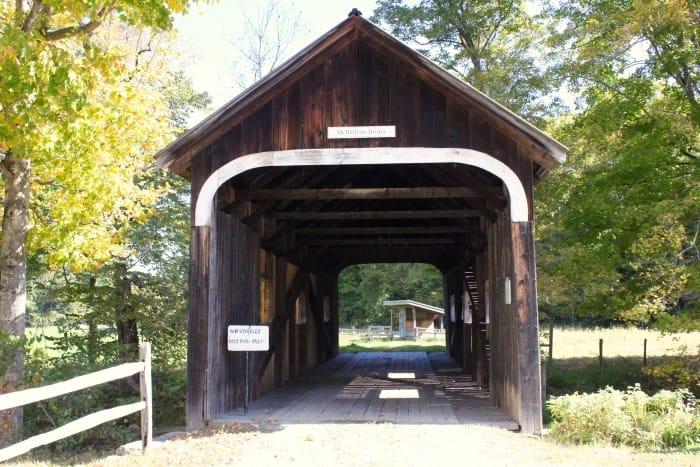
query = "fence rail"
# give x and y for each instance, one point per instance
(29, 396)
(386, 331)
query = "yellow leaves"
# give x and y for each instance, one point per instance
(661, 13)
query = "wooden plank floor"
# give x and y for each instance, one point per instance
(395, 387)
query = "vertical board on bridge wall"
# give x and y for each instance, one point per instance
(198, 310)
(528, 345)
(239, 303)
(198, 328)
(502, 327)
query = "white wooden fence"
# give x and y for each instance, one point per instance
(29, 396)
(373, 331)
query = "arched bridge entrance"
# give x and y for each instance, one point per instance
(360, 150)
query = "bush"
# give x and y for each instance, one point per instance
(681, 371)
(667, 420)
(619, 373)
(43, 416)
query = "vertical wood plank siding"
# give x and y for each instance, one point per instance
(198, 314)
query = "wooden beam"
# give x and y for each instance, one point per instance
(384, 242)
(398, 230)
(29, 396)
(69, 429)
(365, 215)
(358, 193)
(442, 256)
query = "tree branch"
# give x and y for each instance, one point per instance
(693, 244)
(19, 12)
(87, 28)
(35, 12)
(687, 153)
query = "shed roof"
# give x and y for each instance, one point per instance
(414, 304)
(544, 149)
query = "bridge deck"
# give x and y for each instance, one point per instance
(395, 387)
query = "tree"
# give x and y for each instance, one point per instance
(618, 226)
(74, 130)
(264, 39)
(364, 288)
(495, 46)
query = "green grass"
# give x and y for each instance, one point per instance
(355, 343)
(581, 344)
(672, 360)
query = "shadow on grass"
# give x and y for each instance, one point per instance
(566, 376)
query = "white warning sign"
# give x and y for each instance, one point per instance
(248, 338)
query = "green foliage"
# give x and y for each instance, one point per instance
(566, 377)
(668, 373)
(495, 46)
(169, 396)
(364, 288)
(42, 368)
(618, 225)
(667, 420)
(681, 371)
(139, 283)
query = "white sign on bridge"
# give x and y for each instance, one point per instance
(248, 338)
(361, 132)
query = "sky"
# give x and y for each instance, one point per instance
(207, 31)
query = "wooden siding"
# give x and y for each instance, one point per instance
(379, 90)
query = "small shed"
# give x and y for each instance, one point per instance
(415, 318)
(359, 150)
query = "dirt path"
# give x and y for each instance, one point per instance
(381, 445)
(413, 439)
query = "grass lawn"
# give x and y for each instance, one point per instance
(580, 343)
(352, 343)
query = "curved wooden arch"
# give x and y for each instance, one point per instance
(519, 210)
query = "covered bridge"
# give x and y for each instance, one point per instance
(359, 150)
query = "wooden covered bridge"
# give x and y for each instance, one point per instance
(360, 150)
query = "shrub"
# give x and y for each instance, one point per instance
(667, 420)
(619, 373)
(681, 371)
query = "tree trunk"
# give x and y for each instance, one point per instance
(13, 290)
(127, 327)
(92, 325)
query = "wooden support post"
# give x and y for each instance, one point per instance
(600, 353)
(528, 339)
(644, 360)
(415, 324)
(198, 328)
(146, 396)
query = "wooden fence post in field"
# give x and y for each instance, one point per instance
(644, 359)
(600, 353)
(146, 396)
(550, 357)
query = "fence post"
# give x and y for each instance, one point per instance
(644, 363)
(551, 341)
(600, 353)
(146, 396)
